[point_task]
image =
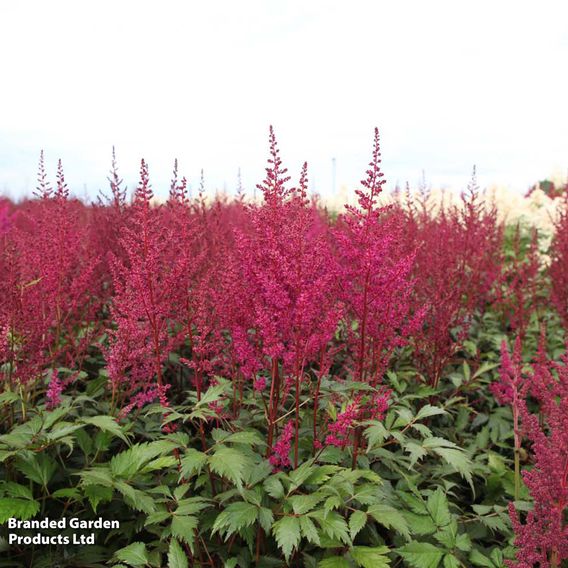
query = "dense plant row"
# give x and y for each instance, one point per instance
(266, 384)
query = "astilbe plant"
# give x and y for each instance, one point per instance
(542, 539)
(511, 390)
(110, 214)
(457, 263)
(435, 291)
(145, 295)
(206, 256)
(559, 262)
(480, 238)
(376, 276)
(48, 293)
(377, 283)
(517, 295)
(289, 309)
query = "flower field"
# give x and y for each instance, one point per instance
(233, 384)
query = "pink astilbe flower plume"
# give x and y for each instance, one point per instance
(376, 276)
(457, 261)
(54, 390)
(288, 300)
(146, 293)
(280, 457)
(542, 539)
(559, 261)
(48, 295)
(517, 297)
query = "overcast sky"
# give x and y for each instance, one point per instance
(449, 84)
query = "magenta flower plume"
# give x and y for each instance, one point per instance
(280, 457)
(145, 285)
(376, 273)
(542, 538)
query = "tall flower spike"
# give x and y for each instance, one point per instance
(43, 189)
(374, 182)
(303, 184)
(118, 194)
(178, 189)
(542, 539)
(143, 193)
(273, 186)
(62, 191)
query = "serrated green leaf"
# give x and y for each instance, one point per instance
(287, 534)
(484, 368)
(134, 554)
(181, 490)
(183, 527)
(429, 410)
(376, 434)
(136, 499)
(416, 504)
(479, 559)
(357, 521)
(404, 417)
(448, 535)
(333, 502)
(450, 561)
(303, 503)
(62, 430)
(450, 453)
(212, 394)
(273, 486)
(230, 463)
(421, 554)
(157, 518)
(265, 518)
(67, 493)
(97, 494)
(321, 474)
(309, 530)
(9, 397)
(192, 505)
(419, 524)
(235, 517)
(106, 424)
(437, 506)
(258, 473)
(22, 509)
(192, 463)
(99, 475)
(131, 462)
(176, 555)
(249, 438)
(423, 430)
(13, 489)
(389, 517)
(463, 542)
(39, 468)
(301, 474)
(370, 557)
(416, 451)
(334, 562)
(332, 524)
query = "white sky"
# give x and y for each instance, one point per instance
(448, 83)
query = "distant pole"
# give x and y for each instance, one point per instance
(333, 174)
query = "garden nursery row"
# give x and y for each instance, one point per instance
(224, 383)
